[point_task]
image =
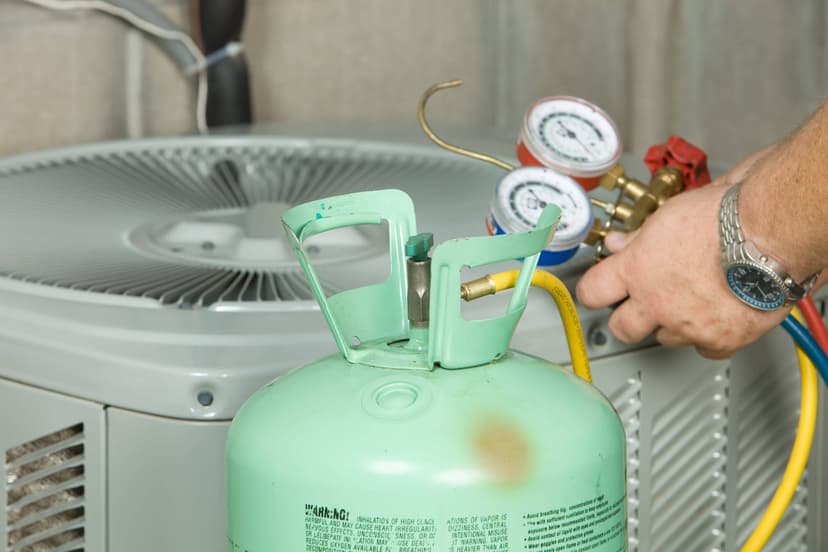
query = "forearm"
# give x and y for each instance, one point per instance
(784, 200)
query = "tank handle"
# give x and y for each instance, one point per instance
(383, 305)
(455, 342)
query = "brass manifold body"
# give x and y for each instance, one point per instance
(636, 201)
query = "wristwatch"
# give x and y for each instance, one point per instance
(754, 278)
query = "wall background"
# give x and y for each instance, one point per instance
(729, 76)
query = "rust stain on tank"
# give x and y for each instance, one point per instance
(503, 451)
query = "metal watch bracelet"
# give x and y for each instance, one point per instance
(733, 247)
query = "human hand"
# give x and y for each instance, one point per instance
(670, 274)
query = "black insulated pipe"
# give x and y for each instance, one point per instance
(228, 98)
(220, 22)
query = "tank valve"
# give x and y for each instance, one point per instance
(419, 278)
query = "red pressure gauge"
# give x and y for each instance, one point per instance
(570, 135)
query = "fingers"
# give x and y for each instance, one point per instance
(714, 354)
(602, 285)
(674, 340)
(632, 322)
(670, 338)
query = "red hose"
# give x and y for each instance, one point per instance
(815, 322)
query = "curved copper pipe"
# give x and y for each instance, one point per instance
(442, 143)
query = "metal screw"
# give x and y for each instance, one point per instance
(205, 398)
(598, 337)
(208, 246)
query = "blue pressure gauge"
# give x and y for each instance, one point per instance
(521, 196)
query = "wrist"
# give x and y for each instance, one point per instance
(753, 275)
(767, 221)
(783, 197)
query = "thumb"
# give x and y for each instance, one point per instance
(618, 241)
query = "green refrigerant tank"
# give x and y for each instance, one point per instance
(427, 433)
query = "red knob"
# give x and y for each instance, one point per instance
(683, 155)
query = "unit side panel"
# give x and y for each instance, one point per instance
(676, 480)
(707, 443)
(166, 483)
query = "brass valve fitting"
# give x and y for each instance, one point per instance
(616, 177)
(597, 233)
(630, 215)
(637, 200)
(666, 182)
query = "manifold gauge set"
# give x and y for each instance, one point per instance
(565, 145)
(567, 148)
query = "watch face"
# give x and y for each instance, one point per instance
(755, 287)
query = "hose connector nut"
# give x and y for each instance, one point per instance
(475, 289)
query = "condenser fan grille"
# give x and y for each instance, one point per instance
(191, 222)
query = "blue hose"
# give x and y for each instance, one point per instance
(808, 344)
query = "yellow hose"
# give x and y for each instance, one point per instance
(569, 314)
(798, 458)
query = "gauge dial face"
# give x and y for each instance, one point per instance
(522, 195)
(573, 135)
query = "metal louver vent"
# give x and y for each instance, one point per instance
(767, 429)
(689, 453)
(627, 402)
(45, 493)
(192, 222)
